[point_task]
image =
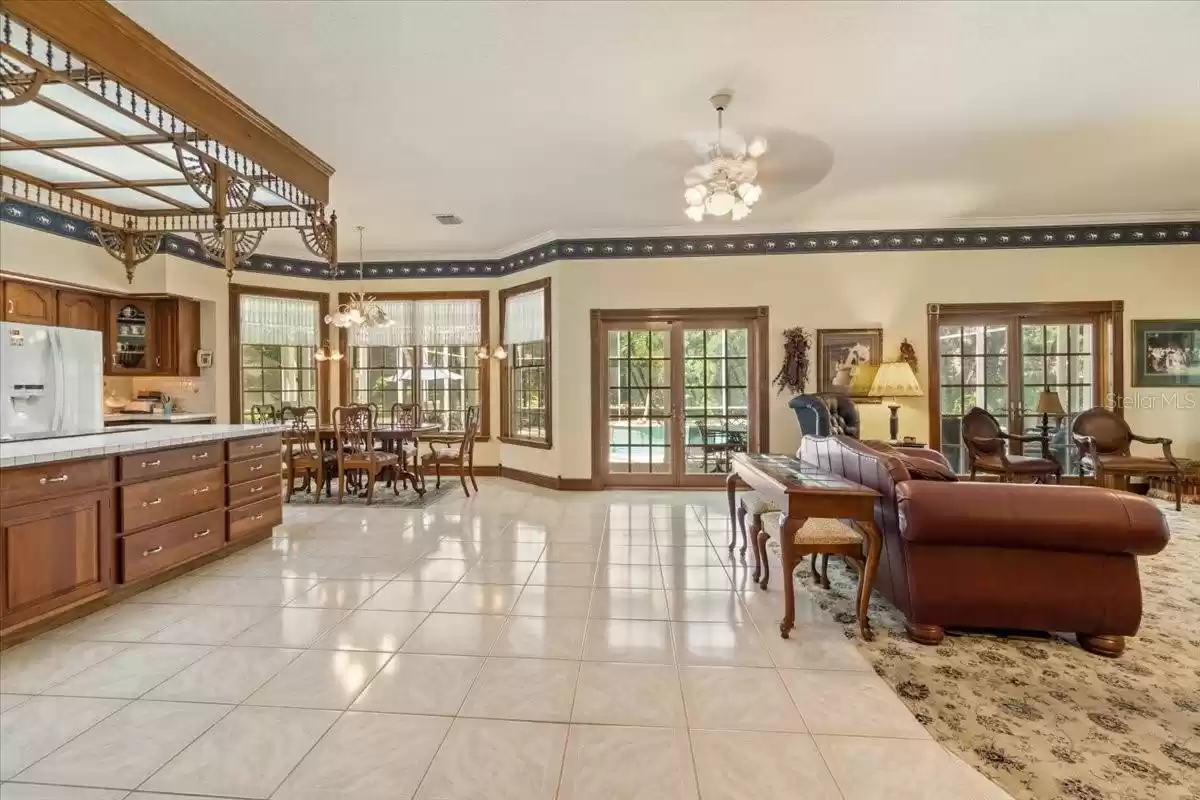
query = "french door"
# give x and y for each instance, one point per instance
(1001, 358)
(676, 394)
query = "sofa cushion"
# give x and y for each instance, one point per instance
(919, 467)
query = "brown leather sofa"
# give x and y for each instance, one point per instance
(1003, 556)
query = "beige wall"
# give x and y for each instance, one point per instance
(888, 290)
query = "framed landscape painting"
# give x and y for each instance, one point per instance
(847, 359)
(1166, 352)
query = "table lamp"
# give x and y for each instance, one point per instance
(1048, 405)
(895, 379)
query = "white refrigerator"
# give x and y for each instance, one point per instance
(51, 381)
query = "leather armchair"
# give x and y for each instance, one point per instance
(1000, 555)
(814, 412)
(1104, 441)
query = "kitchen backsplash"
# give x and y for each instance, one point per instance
(189, 394)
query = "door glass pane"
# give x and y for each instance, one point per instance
(639, 402)
(1058, 358)
(716, 398)
(974, 372)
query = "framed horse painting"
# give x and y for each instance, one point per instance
(1166, 352)
(847, 359)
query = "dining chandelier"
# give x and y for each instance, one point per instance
(726, 184)
(361, 310)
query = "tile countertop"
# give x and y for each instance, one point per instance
(119, 442)
(159, 419)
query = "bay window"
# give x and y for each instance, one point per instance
(428, 357)
(525, 373)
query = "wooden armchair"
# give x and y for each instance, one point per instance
(987, 450)
(303, 454)
(460, 452)
(261, 414)
(1104, 441)
(354, 426)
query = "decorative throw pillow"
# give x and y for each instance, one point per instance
(919, 467)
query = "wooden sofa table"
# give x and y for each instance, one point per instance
(804, 491)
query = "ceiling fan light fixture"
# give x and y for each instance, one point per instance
(726, 182)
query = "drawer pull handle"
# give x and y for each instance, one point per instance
(155, 502)
(201, 534)
(257, 468)
(151, 551)
(153, 463)
(258, 516)
(60, 479)
(258, 446)
(256, 489)
(200, 456)
(201, 491)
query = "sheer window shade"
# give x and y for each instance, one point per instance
(525, 318)
(426, 322)
(279, 321)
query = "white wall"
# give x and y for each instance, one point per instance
(888, 290)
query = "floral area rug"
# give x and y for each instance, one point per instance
(1043, 718)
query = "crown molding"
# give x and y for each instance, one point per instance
(1016, 237)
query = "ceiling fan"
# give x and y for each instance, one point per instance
(727, 182)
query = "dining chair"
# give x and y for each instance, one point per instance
(262, 414)
(355, 432)
(304, 454)
(460, 451)
(987, 450)
(408, 415)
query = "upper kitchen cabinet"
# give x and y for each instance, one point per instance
(177, 337)
(79, 310)
(30, 302)
(131, 336)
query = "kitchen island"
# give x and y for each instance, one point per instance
(86, 520)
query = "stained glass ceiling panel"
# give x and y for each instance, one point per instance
(123, 162)
(44, 167)
(183, 194)
(36, 123)
(93, 110)
(128, 198)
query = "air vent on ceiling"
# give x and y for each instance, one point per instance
(448, 219)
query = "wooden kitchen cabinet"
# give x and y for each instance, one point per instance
(177, 337)
(79, 310)
(130, 336)
(30, 302)
(55, 553)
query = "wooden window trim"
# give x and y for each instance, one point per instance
(1108, 361)
(235, 343)
(506, 375)
(485, 380)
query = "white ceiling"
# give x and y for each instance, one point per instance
(569, 119)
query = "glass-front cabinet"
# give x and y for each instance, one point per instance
(131, 336)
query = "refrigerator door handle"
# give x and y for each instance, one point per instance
(60, 379)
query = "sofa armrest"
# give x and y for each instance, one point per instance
(927, 453)
(1025, 516)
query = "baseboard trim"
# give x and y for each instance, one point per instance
(555, 482)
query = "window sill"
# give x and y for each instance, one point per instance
(534, 443)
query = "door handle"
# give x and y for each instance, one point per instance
(201, 534)
(11, 307)
(155, 502)
(158, 361)
(153, 463)
(151, 551)
(60, 479)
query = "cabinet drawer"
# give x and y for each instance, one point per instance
(164, 462)
(250, 491)
(26, 484)
(255, 517)
(154, 550)
(255, 468)
(155, 502)
(254, 446)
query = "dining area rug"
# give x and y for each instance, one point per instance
(1040, 716)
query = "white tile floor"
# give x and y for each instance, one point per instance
(525, 644)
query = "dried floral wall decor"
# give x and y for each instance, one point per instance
(793, 374)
